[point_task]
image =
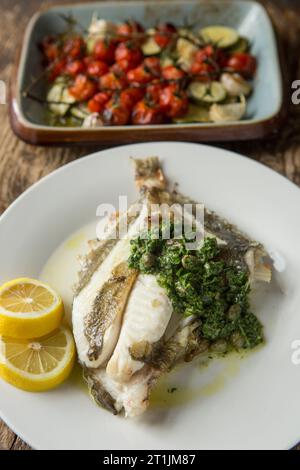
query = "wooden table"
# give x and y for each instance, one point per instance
(21, 165)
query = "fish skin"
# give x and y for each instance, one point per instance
(248, 253)
(131, 398)
(84, 301)
(146, 318)
(106, 314)
(102, 246)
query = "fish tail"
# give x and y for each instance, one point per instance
(148, 174)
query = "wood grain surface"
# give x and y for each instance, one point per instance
(21, 165)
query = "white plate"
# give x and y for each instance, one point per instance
(252, 403)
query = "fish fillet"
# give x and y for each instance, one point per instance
(146, 318)
(85, 304)
(126, 332)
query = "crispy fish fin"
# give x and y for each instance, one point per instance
(259, 264)
(131, 398)
(98, 391)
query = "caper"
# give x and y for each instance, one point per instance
(180, 289)
(234, 312)
(237, 340)
(148, 260)
(219, 346)
(207, 299)
(196, 347)
(189, 262)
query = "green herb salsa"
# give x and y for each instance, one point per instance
(205, 282)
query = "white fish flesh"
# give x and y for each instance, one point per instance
(146, 318)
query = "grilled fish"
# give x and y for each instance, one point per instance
(126, 330)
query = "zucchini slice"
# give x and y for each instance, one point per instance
(186, 53)
(198, 90)
(213, 92)
(166, 61)
(59, 93)
(90, 44)
(195, 114)
(186, 33)
(79, 112)
(221, 36)
(243, 45)
(150, 47)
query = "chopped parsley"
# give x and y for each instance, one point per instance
(205, 282)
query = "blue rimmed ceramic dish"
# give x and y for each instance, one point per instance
(264, 111)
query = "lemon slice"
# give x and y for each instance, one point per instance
(39, 364)
(29, 309)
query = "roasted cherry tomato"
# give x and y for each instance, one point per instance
(51, 48)
(207, 62)
(203, 72)
(245, 64)
(83, 88)
(140, 74)
(75, 67)
(104, 49)
(116, 114)
(144, 113)
(165, 34)
(130, 96)
(56, 68)
(153, 92)
(172, 73)
(74, 47)
(130, 29)
(221, 58)
(123, 65)
(173, 101)
(116, 69)
(88, 59)
(128, 55)
(204, 53)
(111, 81)
(97, 68)
(119, 74)
(152, 65)
(97, 103)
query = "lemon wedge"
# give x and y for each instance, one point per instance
(38, 364)
(29, 309)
